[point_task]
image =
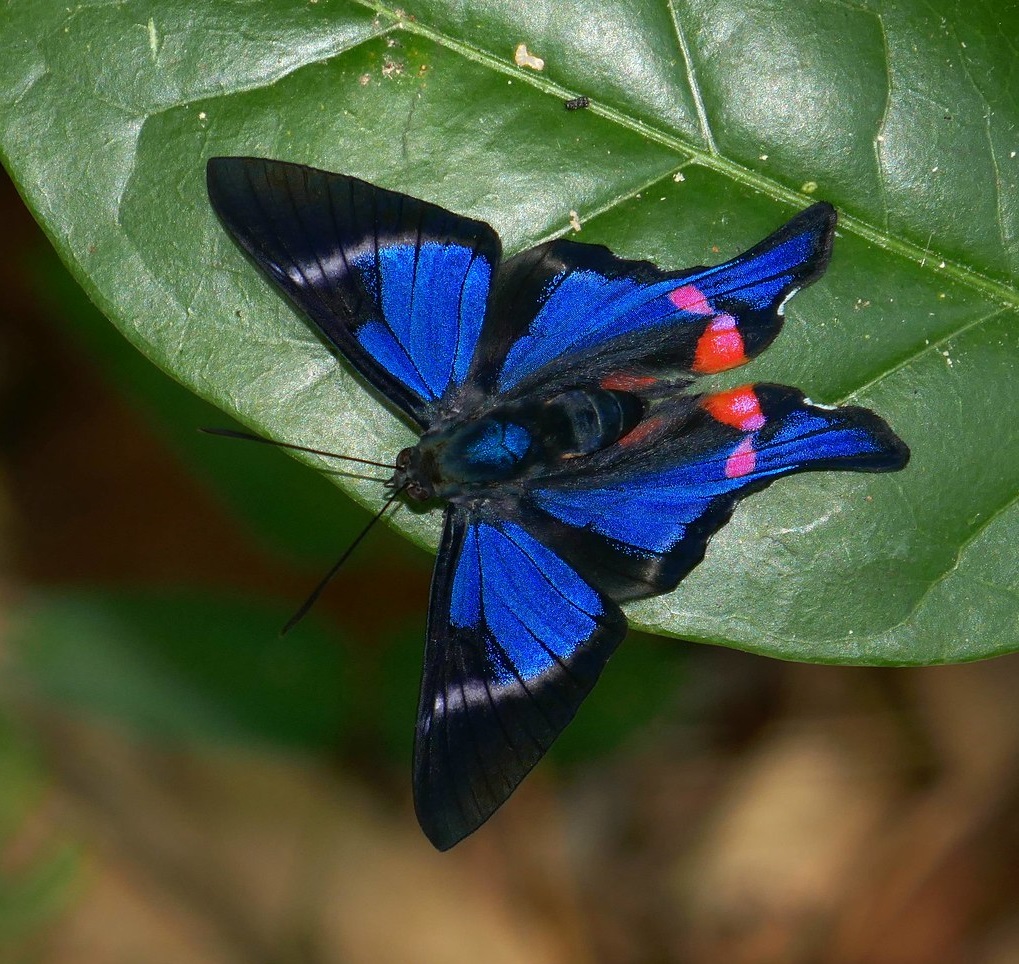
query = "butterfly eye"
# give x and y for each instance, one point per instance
(418, 492)
(403, 459)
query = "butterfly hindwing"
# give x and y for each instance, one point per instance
(398, 285)
(516, 640)
(564, 310)
(637, 517)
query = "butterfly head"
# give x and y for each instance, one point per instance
(411, 476)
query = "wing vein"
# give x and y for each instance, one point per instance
(283, 246)
(541, 572)
(509, 661)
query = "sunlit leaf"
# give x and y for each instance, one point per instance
(711, 121)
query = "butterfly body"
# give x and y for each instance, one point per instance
(551, 393)
(522, 439)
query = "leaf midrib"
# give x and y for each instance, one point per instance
(998, 291)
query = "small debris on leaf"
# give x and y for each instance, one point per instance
(523, 58)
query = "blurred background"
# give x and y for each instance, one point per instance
(178, 784)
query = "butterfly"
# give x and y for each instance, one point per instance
(551, 393)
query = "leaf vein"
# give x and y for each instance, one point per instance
(960, 553)
(692, 82)
(930, 347)
(964, 274)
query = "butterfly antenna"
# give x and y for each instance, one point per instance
(248, 437)
(327, 578)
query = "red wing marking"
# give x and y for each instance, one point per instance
(627, 383)
(720, 347)
(738, 408)
(641, 431)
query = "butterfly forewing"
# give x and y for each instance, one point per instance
(398, 285)
(565, 311)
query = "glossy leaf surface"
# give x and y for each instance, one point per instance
(711, 121)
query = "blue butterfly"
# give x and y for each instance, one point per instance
(549, 391)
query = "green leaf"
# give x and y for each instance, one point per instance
(184, 667)
(711, 122)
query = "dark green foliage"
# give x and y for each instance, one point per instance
(708, 126)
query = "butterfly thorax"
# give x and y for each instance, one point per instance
(520, 439)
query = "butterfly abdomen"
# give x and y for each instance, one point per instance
(585, 420)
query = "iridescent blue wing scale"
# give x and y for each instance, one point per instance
(564, 311)
(398, 285)
(516, 640)
(637, 517)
